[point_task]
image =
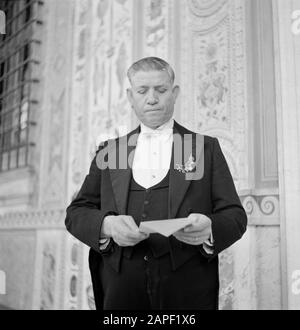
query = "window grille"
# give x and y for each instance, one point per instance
(19, 63)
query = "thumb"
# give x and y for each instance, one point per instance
(193, 217)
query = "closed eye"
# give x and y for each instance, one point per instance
(162, 91)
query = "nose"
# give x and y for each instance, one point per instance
(152, 97)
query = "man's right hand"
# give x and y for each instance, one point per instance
(122, 229)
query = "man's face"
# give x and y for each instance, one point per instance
(152, 97)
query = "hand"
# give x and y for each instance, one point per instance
(123, 230)
(196, 233)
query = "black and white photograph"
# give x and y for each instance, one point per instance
(150, 156)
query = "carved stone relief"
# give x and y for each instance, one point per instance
(213, 62)
(213, 77)
(57, 72)
(156, 16)
(110, 58)
(48, 277)
(102, 54)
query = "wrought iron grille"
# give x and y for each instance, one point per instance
(19, 63)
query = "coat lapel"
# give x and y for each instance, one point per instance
(184, 146)
(178, 182)
(121, 176)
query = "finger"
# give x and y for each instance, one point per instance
(144, 235)
(128, 227)
(128, 234)
(130, 223)
(123, 243)
(193, 216)
(189, 228)
(125, 240)
(197, 226)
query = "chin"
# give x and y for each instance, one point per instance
(155, 124)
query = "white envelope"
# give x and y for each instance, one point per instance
(164, 227)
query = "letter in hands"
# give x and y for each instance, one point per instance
(198, 232)
(123, 230)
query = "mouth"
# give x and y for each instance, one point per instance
(152, 110)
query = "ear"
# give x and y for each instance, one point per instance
(175, 92)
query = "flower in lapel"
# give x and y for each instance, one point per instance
(189, 166)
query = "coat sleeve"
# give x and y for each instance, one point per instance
(229, 219)
(84, 215)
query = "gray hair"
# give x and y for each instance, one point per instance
(151, 64)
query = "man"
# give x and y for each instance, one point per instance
(131, 269)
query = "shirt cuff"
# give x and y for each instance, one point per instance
(103, 243)
(208, 245)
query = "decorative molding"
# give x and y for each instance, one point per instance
(262, 210)
(206, 8)
(43, 219)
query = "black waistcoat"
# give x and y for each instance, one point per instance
(149, 205)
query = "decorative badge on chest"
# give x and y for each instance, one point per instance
(188, 167)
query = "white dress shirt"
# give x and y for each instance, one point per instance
(153, 154)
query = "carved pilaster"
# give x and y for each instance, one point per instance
(287, 101)
(213, 77)
(54, 118)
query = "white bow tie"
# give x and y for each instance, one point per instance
(157, 134)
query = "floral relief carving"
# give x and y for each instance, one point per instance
(157, 16)
(212, 84)
(48, 277)
(111, 55)
(226, 292)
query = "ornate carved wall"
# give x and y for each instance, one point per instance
(206, 43)
(90, 44)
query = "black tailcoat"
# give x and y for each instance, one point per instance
(105, 191)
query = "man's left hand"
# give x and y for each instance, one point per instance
(196, 233)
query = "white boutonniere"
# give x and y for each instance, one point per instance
(189, 166)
